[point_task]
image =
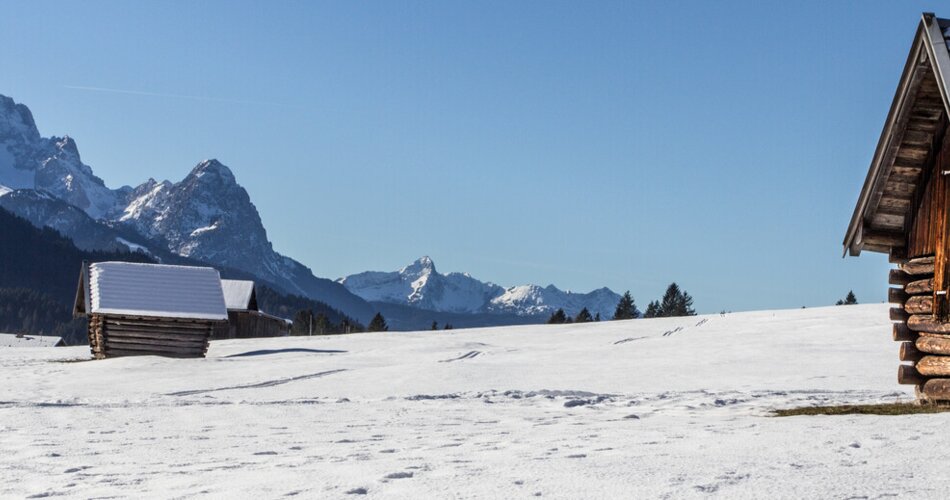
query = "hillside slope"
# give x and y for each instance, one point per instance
(673, 407)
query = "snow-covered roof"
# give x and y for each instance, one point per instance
(151, 290)
(13, 340)
(239, 294)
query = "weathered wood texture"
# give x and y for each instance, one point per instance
(934, 366)
(919, 266)
(898, 277)
(899, 314)
(250, 324)
(111, 336)
(922, 304)
(901, 333)
(897, 295)
(920, 286)
(937, 389)
(926, 323)
(934, 344)
(908, 375)
(909, 352)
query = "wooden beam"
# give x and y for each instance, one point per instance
(901, 333)
(937, 389)
(926, 323)
(909, 352)
(896, 255)
(908, 375)
(920, 286)
(920, 304)
(934, 366)
(888, 239)
(918, 266)
(897, 295)
(933, 344)
(899, 314)
(898, 277)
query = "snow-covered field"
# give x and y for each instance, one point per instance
(646, 408)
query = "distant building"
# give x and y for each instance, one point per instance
(140, 309)
(25, 340)
(904, 211)
(245, 319)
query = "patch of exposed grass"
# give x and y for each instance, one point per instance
(875, 409)
(72, 360)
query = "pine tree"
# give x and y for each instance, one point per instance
(557, 318)
(675, 302)
(448, 326)
(321, 324)
(597, 317)
(378, 324)
(583, 316)
(850, 299)
(435, 325)
(653, 310)
(626, 308)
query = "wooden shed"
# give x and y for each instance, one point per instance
(141, 309)
(903, 211)
(245, 319)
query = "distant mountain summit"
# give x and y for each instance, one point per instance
(207, 216)
(419, 285)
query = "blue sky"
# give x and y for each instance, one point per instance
(621, 144)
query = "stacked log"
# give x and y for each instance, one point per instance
(111, 336)
(925, 338)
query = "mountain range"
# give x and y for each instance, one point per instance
(209, 217)
(421, 286)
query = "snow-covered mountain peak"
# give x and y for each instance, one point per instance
(16, 121)
(420, 267)
(212, 171)
(420, 285)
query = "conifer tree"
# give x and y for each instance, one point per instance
(850, 299)
(653, 310)
(675, 302)
(557, 318)
(583, 316)
(435, 325)
(321, 324)
(378, 324)
(448, 326)
(597, 317)
(626, 308)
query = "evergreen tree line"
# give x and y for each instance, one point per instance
(675, 302)
(849, 300)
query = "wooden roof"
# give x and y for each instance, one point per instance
(913, 130)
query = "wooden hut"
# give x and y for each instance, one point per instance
(903, 211)
(140, 309)
(245, 319)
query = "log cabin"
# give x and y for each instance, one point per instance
(903, 211)
(149, 309)
(245, 319)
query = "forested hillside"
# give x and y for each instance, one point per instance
(39, 271)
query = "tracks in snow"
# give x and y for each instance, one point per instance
(269, 383)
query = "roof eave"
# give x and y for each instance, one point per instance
(929, 40)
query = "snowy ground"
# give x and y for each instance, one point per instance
(646, 408)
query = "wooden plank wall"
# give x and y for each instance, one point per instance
(111, 336)
(928, 228)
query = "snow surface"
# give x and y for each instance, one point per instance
(135, 247)
(135, 289)
(672, 407)
(4, 190)
(237, 293)
(14, 340)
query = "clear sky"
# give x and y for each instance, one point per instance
(622, 144)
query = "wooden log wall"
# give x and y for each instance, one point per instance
(924, 336)
(111, 336)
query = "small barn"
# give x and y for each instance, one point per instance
(903, 211)
(245, 319)
(142, 309)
